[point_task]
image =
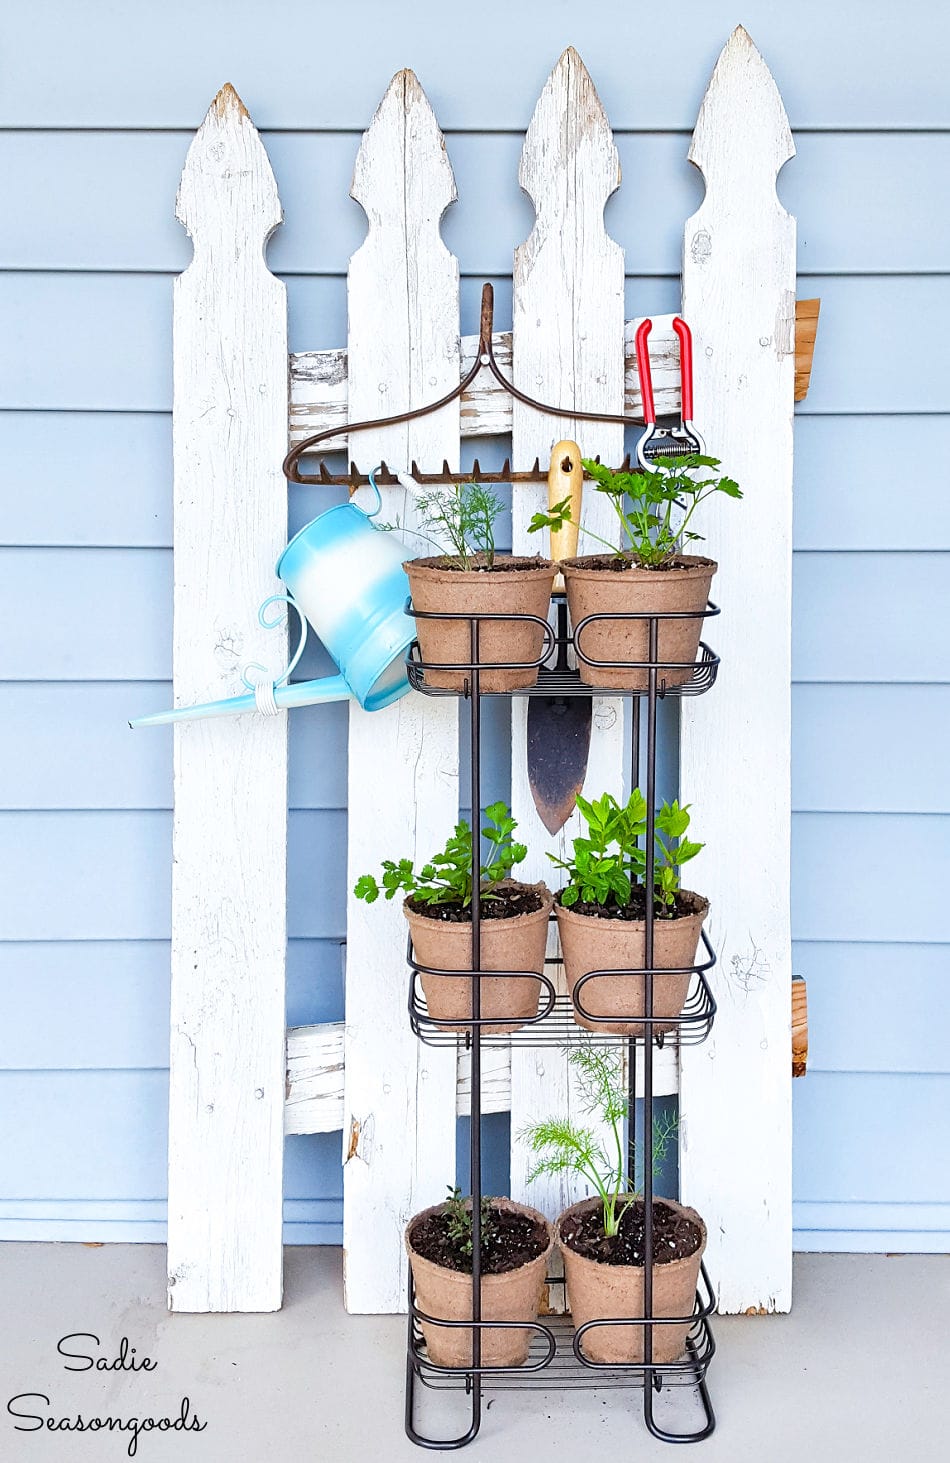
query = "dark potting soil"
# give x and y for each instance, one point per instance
(508, 902)
(511, 1241)
(674, 1236)
(502, 564)
(636, 908)
(618, 564)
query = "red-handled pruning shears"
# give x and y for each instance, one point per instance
(676, 441)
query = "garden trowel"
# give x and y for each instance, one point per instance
(558, 733)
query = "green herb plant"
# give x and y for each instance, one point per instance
(458, 1213)
(610, 859)
(458, 520)
(564, 1146)
(654, 507)
(447, 877)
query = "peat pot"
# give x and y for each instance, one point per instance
(513, 1296)
(513, 587)
(511, 944)
(590, 943)
(597, 1291)
(593, 588)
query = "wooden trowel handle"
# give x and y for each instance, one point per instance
(565, 479)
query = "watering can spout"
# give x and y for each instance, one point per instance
(388, 688)
(302, 693)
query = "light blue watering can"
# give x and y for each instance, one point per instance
(346, 577)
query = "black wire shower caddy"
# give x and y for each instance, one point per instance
(557, 1358)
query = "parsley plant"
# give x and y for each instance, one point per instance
(647, 505)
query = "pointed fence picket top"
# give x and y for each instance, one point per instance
(568, 349)
(739, 298)
(226, 1104)
(403, 351)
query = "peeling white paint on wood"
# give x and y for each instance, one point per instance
(318, 385)
(496, 1081)
(568, 333)
(226, 1089)
(403, 351)
(314, 1093)
(739, 298)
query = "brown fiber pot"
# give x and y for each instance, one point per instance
(596, 1291)
(522, 591)
(506, 944)
(642, 591)
(589, 943)
(514, 1296)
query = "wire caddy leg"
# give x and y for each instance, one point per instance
(557, 1358)
(652, 1381)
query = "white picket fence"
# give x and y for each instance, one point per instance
(239, 1080)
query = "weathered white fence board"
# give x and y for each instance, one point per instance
(318, 386)
(226, 1102)
(739, 297)
(567, 344)
(403, 351)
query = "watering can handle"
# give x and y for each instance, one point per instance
(268, 624)
(379, 497)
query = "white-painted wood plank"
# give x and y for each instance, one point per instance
(739, 298)
(315, 1065)
(226, 1103)
(403, 350)
(318, 386)
(314, 1092)
(568, 347)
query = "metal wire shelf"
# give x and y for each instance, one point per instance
(569, 683)
(555, 1357)
(554, 1025)
(565, 683)
(556, 1363)
(559, 1029)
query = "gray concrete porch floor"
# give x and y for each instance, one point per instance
(853, 1374)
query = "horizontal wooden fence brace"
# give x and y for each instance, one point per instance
(806, 331)
(318, 385)
(314, 1092)
(318, 380)
(799, 1027)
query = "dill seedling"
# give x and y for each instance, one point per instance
(563, 1146)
